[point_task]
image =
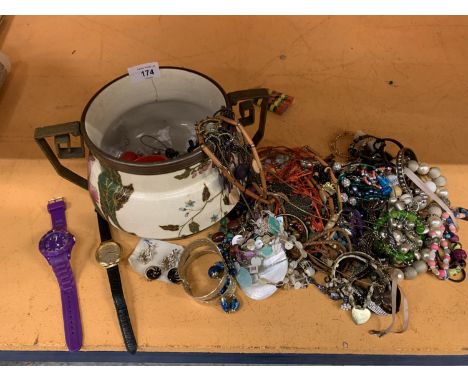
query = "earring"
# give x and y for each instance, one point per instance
(153, 273)
(173, 276)
(146, 254)
(229, 304)
(171, 260)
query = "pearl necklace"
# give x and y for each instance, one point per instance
(431, 176)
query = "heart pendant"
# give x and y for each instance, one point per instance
(360, 316)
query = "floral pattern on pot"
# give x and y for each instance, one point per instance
(191, 208)
(112, 193)
(164, 206)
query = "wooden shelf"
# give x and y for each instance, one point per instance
(338, 69)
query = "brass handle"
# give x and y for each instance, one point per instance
(61, 134)
(247, 111)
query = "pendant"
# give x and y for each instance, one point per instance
(360, 316)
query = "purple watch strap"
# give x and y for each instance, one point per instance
(70, 307)
(56, 208)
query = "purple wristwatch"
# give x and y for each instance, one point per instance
(56, 246)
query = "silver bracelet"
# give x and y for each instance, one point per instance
(195, 250)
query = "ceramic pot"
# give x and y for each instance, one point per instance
(160, 200)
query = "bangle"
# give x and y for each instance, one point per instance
(401, 160)
(227, 284)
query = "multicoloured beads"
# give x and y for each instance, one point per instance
(444, 255)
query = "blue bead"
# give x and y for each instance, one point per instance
(235, 304)
(215, 271)
(383, 181)
(229, 304)
(225, 287)
(225, 304)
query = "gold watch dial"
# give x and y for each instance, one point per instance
(108, 254)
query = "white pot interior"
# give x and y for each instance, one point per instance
(148, 115)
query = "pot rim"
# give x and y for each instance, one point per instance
(179, 163)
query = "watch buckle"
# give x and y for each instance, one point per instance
(54, 200)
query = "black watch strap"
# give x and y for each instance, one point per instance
(104, 228)
(117, 293)
(121, 308)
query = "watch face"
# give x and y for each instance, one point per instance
(108, 254)
(55, 242)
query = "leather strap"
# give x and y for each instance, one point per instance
(117, 293)
(70, 307)
(56, 208)
(121, 308)
(104, 229)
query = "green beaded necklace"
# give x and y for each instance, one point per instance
(384, 247)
